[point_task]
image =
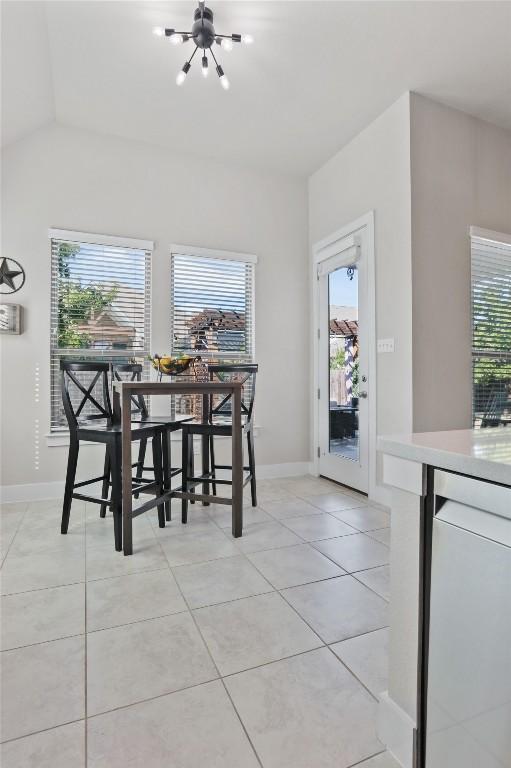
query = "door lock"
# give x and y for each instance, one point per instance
(362, 394)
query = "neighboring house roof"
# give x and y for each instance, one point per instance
(108, 324)
(344, 327)
(217, 320)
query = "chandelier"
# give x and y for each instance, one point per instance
(204, 35)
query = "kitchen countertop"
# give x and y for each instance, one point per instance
(484, 453)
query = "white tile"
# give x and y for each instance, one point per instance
(306, 711)
(138, 596)
(491, 730)
(196, 728)
(195, 525)
(383, 760)
(355, 553)
(100, 532)
(104, 562)
(377, 579)
(454, 747)
(317, 527)
(218, 581)
(291, 566)
(11, 516)
(138, 661)
(296, 507)
(266, 536)
(42, 686)
(62, 747)
(46, 516)
(253, 631)
(43, 615)
(28, 542)
(198, 548)
(46, 568)
(308, 486)
(381, 534)
(332, 502)
(364, 518)
(368, 658)
(338, 608)
(222, 515)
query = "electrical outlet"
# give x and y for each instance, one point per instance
(385, 345)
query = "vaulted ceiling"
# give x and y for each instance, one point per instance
(317, 73)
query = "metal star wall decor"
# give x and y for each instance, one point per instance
(12, 278)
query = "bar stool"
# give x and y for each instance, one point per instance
(140, 414)
(219, 423)
(87, 405)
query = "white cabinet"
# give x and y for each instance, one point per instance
(469, 664)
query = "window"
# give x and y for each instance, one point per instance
(100, 303)
(212, 304)
(491, 328)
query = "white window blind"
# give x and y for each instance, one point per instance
(212, 307)
(100, 304)
(491, 331)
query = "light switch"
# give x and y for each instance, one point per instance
(385, 345)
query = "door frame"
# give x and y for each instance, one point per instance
(363, 227)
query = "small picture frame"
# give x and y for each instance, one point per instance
(10, 318)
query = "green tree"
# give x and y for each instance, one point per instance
(76, 302)
(337, 360)
(492, 332)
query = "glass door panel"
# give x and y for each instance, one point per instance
(343, 362)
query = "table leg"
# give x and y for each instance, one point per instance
(126, 473)
(205, 448)
(237, 465)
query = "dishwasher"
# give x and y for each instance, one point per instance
(468, 721)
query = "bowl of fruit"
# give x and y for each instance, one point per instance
(169, 365)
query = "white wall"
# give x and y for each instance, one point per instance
(461, 176)
(61, 177)
(373, 173)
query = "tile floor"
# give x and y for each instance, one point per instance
(198, 650)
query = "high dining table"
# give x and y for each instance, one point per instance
(122, 394)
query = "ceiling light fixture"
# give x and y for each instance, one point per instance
(204, 36)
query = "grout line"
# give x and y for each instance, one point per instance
(276, 661)
(366, 759)
(387, 600)
(23, 514)
(211, 657)
(191, 611)
(43, 730)
(364, 686)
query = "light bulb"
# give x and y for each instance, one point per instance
(226, 43)
(247, 39)
(225, 83)
(176, 39)
(181, 77)
(158, 31)
(205, 67)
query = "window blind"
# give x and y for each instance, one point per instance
(491, 332)
(212, 307)
(100, 307)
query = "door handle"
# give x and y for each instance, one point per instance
(362, 394)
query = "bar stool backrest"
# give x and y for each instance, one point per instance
(131, 372)
(221, 405)
(85, 393)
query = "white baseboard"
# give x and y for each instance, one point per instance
(293, 469)
(55, 490)
(396, 730)
(31, 492)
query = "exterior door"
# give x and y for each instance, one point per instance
(343, 418)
